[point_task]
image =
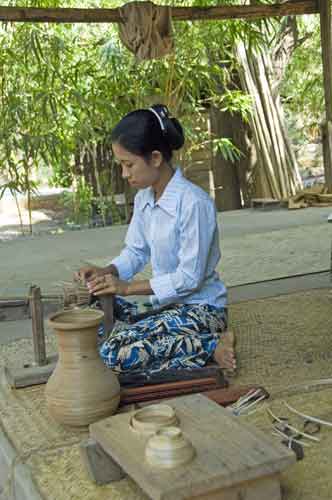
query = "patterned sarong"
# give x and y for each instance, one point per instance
(182, 336)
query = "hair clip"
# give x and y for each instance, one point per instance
(163, 115)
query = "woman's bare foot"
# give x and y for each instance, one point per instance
(224, 354)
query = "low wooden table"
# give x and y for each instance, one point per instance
(233, 460)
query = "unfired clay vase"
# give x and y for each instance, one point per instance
(152, 418)
(81, 389)
(169, 448)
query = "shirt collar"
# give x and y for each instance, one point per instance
(169, 199)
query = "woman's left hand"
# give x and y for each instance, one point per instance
(108, 285)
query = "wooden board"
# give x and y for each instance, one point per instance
(265, 203)
(16, 309)
(97, 463)
(31, 375)
(172, 375)
(168, 390)
(224, 396)
(35, 375)
(228, 452)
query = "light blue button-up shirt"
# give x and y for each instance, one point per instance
(179, 234)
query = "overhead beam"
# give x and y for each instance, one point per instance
(250, 12)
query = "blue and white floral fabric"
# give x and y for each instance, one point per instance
(182, 336)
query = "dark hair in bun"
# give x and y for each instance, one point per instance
(146, 130)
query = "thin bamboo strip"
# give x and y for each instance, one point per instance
(276, 432)
(263, 172)
(293, 173)
(270, 129)
(293, 169)
(274, 129)
(265, 120)
(259, 135)
(277, 122)
(277, 161)
(291, 427)
(309, 417)
(258, 174)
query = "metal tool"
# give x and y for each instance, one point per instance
(248, 402)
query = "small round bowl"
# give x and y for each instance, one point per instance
(169, 448)
(150, 419)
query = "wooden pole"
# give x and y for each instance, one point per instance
(38, 334)
(326, 38)
(107, 304)
(259, 126)
(48, 15)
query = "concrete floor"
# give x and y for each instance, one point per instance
(256, 245)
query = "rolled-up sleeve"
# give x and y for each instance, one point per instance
(136, 252)
(198, 228)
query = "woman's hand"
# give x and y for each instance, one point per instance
(89, 272)
(107, 285)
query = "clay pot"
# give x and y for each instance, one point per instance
(152, 418)
(81, 389)
(169, 448)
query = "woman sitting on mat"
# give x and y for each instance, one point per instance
(174, 226)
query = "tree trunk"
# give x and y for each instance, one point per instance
(231, 183)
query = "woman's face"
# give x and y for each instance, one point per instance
(139, 172)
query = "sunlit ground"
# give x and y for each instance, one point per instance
(10, 222)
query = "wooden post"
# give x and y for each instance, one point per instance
(107, 304)
(326, 40)
(225, 172)
(100, 467)
(38, 334)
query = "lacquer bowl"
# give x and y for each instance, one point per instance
(169, 448)
(150, 419)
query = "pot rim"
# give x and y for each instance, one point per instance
(94, 318)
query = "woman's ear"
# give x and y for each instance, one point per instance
(156, 159)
